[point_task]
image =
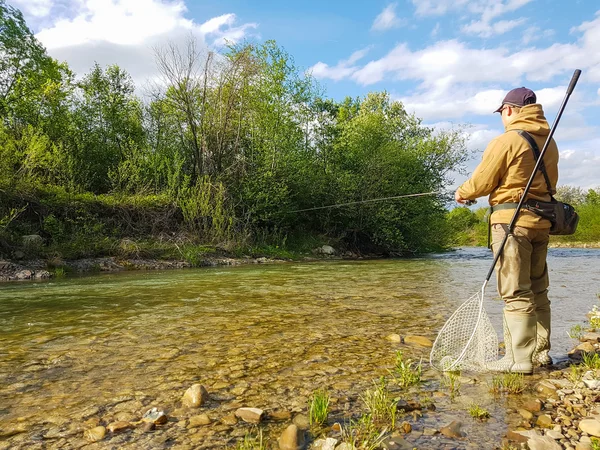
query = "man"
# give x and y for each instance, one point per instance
(522, 274)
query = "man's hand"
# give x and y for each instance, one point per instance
(459, 199)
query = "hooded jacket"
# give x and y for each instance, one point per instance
(507, 164)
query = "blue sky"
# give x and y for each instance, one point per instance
(449, 61)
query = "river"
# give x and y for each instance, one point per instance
(87, 350)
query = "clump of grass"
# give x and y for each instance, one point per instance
(381, 405)
(318, 408)
(576, 332)
(575, 373)
(364, 434)
(595, 443)
(252, 442)
(477, 412)
(595, 322)
(508, 383)
(406, 372)
(452, 381)
(60, 272)
(591, 361)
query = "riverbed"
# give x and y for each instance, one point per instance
(94, 349)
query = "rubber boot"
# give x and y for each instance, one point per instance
(519, 340)
(541, 357)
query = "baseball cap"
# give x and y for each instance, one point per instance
(518, 97)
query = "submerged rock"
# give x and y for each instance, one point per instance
(418, 340)
(196, 421)
(452, 430)
(195, 396)
(155, 416)
(119, 426)
(95, 434)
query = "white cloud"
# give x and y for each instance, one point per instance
(124, 32)
(488, 29)
(35, 8)
(387, 19)
(343, 69)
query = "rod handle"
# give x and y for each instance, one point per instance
(573, 81)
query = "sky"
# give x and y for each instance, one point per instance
(448, 61)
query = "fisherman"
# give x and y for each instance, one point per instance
(522, 273)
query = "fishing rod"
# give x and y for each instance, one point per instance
(422, 194)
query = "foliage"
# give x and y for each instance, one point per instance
(364, 433)
(381, 405)
(508, 383)
(591, 361)
(318, 408)
(478, 413)
(452, 381)
(407, 372)
(230, 145)
(252, 441)
(576, 332)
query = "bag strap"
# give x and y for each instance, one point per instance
(536, 154)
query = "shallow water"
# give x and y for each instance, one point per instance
(259, 336)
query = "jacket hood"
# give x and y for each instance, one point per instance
(531, 119)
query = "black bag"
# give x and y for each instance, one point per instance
(562, 216)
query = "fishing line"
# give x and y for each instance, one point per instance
(423, 194)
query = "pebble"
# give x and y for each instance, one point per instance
(195, 396)
(250, 415)
(418, 340)
(590, 426)
(292, 438)
(543, 443)
(199, 420)
(117, 427)
(95, 434)
(527, 415)
(544, 421)
(452, 430)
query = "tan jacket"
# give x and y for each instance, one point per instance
(507, 164)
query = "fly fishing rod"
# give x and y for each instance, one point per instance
(468, 340)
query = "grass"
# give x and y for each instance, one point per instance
(252, 442)
(364, 434)
(508, 383)
(60, 272)
(452, 381)
(591, 361)
(576, 332)
(478, 413)
(595, 322)
(381, 405)
(575, 374)
(595, 443)
(407, 372)
(318, 408)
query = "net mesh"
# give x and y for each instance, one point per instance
(467, 340)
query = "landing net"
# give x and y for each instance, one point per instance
(467, 341)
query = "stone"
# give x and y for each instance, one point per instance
(532, 405)
(199, 420)
(590, 426)
(394, 338)
(95, 434)
(336, 427)
(418, 340)
(301, 421)
(250, 415)
(408, 405)
(527, 415)
(591, 336)
(42, 275)
(155, 416)
(586, 347)
(584, 446)
(148, 426)
(229, 419)
(544, 421)
(406, 427)
(325, 444)
(430, 431)
(546, 388)
(522, 435)
(591, 384)
(543, 443)
(345, 446)
(452, 430)
(326, 250)
(292, 438)
(280, 415)
(119, 426)
(554, 434)
(195, 396)
(24, 275)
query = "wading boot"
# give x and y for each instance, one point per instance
(541, 356)
(519, 341)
